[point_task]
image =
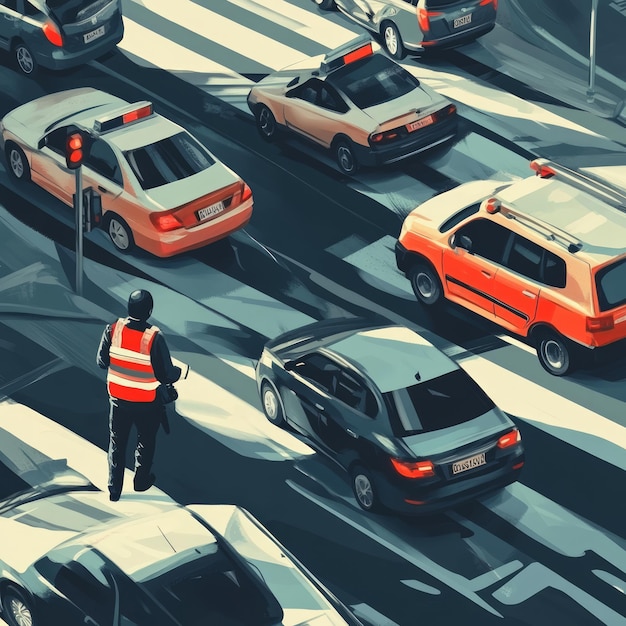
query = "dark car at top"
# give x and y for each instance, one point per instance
(414, 431)
(59, 34)
(419, 26)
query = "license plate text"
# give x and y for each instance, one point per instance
(94, 34)
(425, 121)
(210, 211)
(462, 21)
(467, 464)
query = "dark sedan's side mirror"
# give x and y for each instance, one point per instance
(292, 365)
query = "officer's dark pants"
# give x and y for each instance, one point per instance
(146, 417)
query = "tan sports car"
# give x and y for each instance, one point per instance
(357, 102)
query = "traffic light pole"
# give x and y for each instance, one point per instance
(78, 206)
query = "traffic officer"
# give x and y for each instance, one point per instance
(138, 361)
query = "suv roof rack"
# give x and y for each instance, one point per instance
(605, 191)
(551, 232)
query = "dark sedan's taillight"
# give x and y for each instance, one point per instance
(512, 438)
(423, 17)
(413, 469)
(494, 2)
(52, 33)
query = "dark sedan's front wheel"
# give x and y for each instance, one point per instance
(364, 489)
(24, 59)
(271, 404)
(16, 608)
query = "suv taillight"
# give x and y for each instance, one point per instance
(413, 469)
(52, 33)
(598, 324)
(494, 2)
(423, 17)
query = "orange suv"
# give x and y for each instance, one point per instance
(544, 257)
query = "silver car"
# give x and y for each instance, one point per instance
(59, 34)
(415, 26)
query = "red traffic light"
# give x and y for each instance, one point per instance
(74, 150)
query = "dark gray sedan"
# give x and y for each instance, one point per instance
(414, 430)
(59, 34)
(416, 26)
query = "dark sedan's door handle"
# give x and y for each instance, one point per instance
(102, 189)
(352, 433)
(319, 406)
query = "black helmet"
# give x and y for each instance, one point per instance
(140, 305)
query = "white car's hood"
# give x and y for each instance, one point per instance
(193, 187)
(446, 439)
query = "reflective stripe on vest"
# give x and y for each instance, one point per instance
(131, 376)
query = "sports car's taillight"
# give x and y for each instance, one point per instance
(52, 33)
(445, 112)
(165, 221)
(388, 135)
(413, 469)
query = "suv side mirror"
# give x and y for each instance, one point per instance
(464, 242)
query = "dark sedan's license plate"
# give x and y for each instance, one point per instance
(462, 21)
(469, 463)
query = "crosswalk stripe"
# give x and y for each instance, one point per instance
(232, 36)
(304, 22)
(147, 47)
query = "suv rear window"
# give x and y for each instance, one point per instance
(445, 401)
(373, 80)
(69, 11)
(168, 160)
(611, 285)
(438, 4)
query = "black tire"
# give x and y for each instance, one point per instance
(392, 40)
(364, 489)
(326, 5)
(272, 406)
(345, 157)
(119, 232)
(24, 59)
(17, 163)
(426, 284)
(265, 122)
(555, 353)
(16, 608)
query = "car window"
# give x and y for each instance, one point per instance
(458, 217)
(611, 285)
(101, 159)
(318, 369)
(488, 238)
(307, 91)
(439, 4)
(373, 80)
(531, 260)
(31, 10)
(9, 4)
(330, 99)
(442, 402)
(168, 160)
(68, 11)
(56, 139)
(354, 393)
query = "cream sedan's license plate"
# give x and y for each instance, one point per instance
(94, 34)
(462, 21)
(425, 121)
(468, 464)
(210, 211)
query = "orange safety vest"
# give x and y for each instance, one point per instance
(131, 376)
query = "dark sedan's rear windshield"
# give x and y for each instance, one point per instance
(168, 160)
(439, 403)
(611, 286)
(373, 80)
(69, 11)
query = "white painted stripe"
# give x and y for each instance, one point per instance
(245, 41)
(371, 615)
(615, 582)
(518, 344)
(129, 354)
(149, 48)
(554, 414)
(301, 21)
(395, 544)
(475, 157)
(418, 585)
